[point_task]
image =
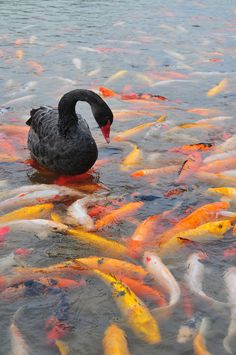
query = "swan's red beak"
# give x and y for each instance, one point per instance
(106, 131)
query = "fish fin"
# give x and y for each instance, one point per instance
(226, 344)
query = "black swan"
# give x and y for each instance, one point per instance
(60, 140)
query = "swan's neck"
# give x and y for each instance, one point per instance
(66, 107)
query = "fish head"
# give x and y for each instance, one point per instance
(220, 227)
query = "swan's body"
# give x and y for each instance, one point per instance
(60, 139)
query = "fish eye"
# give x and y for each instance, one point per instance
(220, 226)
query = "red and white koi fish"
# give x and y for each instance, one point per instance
(164, 277)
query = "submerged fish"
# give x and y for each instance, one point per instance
(132, 131)
(189, 329)
(230, 282)
(18, 344)
(199, 342)
(164, 277)
(189, 167)
(114, 341)
(190, 148)
(218, 88)
(194, 278)
(132, 159)
(118, 214)
(62, 347)
(135, 312)
(223, 191)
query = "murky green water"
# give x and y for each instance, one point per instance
(178, 50)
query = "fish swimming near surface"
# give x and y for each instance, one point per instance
(118, 214)
(114, 341)
(39, 227)
(194, 278)
(203, 233)
(163, 277)
(18, 343)
(30, 212)
(189, 329)
(134, 311)
(230, 282)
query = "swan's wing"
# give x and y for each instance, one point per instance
(43, 120)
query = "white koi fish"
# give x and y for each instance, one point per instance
(230, 282)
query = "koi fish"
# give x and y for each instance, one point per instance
(62, 347)
(164, 277)
(119, 268)
(225, 191)
(132, 131)
(219, 165)
(201, 215)
(134, 311)
(18, 344)
(194, 278)
(202, 111)
(19, 54)
(107, 92)
(219, 156)
(13, 259)
(40, 196)
(230, 282)
(216, 179)
(118, 214)
(218, 88)
(132, 159)
(189, 329)
(77, 63)
(114, 341)
(199, 343)
(30, 212)
(39, 227)
(189, 167)
(175, 192)
(111, 247)
(80, 214)
(38, 68)
(171, 169)
(190, 148)
(116, 76)
(145, 291)
(202, 233)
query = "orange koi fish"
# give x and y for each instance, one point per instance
(132, 131)
(189, 167)
(38, 68)
(117, 267)
(199, 343)
(190, 148)
(203, 111)
(144, 291)
(171, 169)
(20, 41)
(118, 214)
(107, 92)
(218, 88)
(114, 341)
(201, 215)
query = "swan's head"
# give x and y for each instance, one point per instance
(104, 117)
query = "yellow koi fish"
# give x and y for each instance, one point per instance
(218, 88)
(31, 212)
(62, 347)
(225, 191)
(116, 76)
(132, 159)
(133, 309)
(114, 341)
(203, 233)
(109, 247)
(199, 344)
(132, 131)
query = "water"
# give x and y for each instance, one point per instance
(183, 49)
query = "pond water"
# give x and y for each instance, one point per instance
(175, 52)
